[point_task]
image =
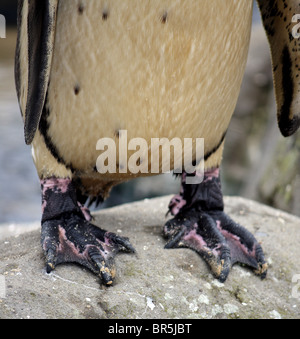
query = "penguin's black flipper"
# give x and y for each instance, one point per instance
(281, 22)
(68, 236)
(36, 31)
(201, 225)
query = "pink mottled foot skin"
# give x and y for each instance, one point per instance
(68, 236)
(200, 224)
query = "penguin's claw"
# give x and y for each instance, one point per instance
(200, 224)
(217, 239)
(73, 239)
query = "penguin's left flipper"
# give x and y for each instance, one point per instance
(69, 237)
(217, 239)
(201, 224)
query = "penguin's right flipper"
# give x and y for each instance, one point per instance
(36, 32)
(280, 20)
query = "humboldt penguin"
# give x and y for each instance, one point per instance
(92, 69)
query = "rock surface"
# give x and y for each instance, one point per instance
(156, 283)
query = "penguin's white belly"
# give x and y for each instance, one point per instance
(159, 68)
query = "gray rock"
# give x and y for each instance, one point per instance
(156, 283)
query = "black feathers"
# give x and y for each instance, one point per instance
(40, 31)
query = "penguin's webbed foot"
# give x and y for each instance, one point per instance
(217, 239)
(73, 239)
(200, 224)
(69, 237)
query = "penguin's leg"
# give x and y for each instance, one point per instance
(68, 235)
(201, 224)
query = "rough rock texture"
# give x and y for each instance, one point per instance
(156, 283)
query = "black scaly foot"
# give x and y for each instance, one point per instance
(200, 223)
(68, 235)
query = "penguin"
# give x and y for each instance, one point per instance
(89, 70)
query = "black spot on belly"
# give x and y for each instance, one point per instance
(105, 15)
(164, 18)
(80, 8)
(76, 89)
